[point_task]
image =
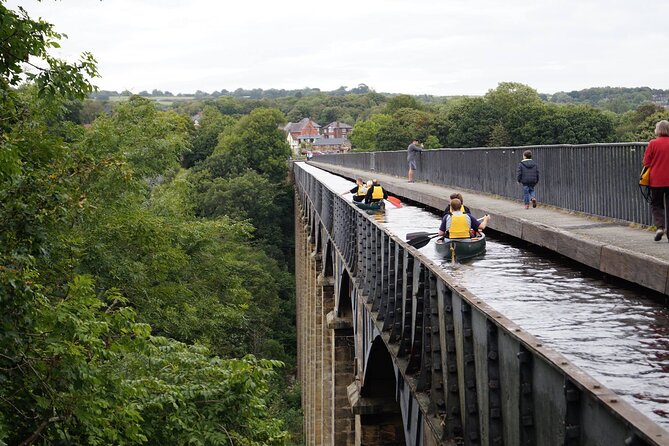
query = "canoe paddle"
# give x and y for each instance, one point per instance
(422, 240)
(413, 235)
(395, 201)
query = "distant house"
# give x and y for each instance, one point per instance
(331, 145)
(337, 129)
(299, 134)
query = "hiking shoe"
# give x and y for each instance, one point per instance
(658, 234)
(534, 202)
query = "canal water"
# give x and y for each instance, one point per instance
(616, 333)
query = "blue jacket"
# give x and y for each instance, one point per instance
(527, 172)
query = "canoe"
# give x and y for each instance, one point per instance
(465, 248)
(375, 206)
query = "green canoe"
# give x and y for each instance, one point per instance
(375, 206)
(461, 249)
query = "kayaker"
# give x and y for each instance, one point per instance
(359, 191)
(483, 221)
(458, 224)
(375, 193)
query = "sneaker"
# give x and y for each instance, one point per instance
(658, 234)
(534, 202)
(527, 206)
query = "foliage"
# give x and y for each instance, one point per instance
(100, 240)
(639, 125)
(255, 142)
(615, 99)
(24, 54)
(364, 133)
(151, 141)
(212, 124)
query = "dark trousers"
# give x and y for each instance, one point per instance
(658, 197)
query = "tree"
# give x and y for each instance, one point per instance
(256, 142)
(364, 133)
(152, 141)
(401, 101)
(24, 53)
(470, 121)
(212, 124)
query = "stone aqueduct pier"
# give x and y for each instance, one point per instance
(391, 351)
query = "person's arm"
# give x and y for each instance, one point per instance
(537, 173)
(648, 156)
(445, 225)
(474, 223)
(368, 196)
(519, 173)
(385, 194)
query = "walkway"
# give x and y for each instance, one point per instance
(612, 247)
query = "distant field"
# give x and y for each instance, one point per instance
(165, 100)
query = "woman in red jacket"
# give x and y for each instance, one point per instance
(657, 159)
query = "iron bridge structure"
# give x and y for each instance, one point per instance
(392, 351)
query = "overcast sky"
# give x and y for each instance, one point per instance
(440, 47)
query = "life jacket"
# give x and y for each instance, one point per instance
(459, 226)
(362, 191)
(377, 193)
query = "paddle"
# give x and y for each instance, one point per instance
(395, 201)
(413, 235)
(422, 240)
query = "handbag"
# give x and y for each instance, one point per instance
(644, 183)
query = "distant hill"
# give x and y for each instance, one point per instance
(615, 99)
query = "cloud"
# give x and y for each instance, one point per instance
(420, 46)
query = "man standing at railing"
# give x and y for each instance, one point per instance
(412, 150)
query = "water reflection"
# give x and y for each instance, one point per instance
(617, 335)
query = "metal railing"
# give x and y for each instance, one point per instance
(596, 179)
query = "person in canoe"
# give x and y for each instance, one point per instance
(483, 221)
(457, 224)
(375, 193)
(359, 191)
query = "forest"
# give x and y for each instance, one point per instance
(146, 263)
(141, 302)
(512, 114)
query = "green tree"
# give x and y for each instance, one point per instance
(256, 142)
(212, 124)
(401, 101)
(364, 133)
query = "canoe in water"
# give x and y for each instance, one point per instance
(375, 206)
(465, 248)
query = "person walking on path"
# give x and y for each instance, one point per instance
(656, 158)
(527, 176)
(412, 150)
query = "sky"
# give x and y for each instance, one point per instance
(438, 47)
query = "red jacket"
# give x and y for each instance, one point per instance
(657, 158)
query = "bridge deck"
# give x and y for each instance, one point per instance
(616, 248)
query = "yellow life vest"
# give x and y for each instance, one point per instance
(362, 191)
(459, 226)
(377, 193)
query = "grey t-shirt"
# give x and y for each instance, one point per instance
(411, 152)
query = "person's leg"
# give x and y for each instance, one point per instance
(533, 197)
(526, 195)
(410, 174)
(657, 210)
